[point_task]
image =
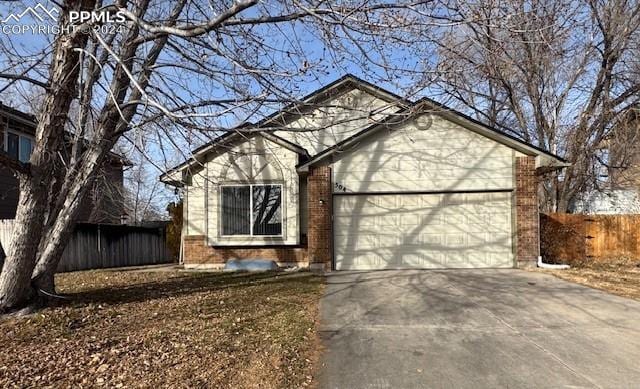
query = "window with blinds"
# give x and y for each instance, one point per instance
(251, 210)
(19, 146)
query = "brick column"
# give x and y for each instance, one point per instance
(319, 231)
(527, 214)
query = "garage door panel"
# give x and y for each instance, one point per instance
(410, 202)
(389, 220)
(422, 260)
(363, 222)
(431, 239)
(498, 228)
(434, 259)
(433, 201)
(430, 218)
(455, 241)
(478, 260)
(410, 220)
(477, 229)
(413, 260)
(406, 244)
(461, 230)
(455, 199)
(455, 260)
(454, 218)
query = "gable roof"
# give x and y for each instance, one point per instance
(223, 141)
(426, 105)
(291, 111)
(25, 118)
(345, 83)
(407, 108)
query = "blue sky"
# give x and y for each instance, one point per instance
(323, 69)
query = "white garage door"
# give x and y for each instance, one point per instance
(405, 231)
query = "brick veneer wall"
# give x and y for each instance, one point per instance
(319, 230)
(197, 252)
(527, 216)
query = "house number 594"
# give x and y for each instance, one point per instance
(340, 187)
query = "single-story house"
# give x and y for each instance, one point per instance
(354, 177)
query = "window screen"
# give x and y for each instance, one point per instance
(12, 145)
(236, 208)
(252, 210)
(267, 213)
(26, 146)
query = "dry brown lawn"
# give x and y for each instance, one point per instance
(168, 329)
(621, 278)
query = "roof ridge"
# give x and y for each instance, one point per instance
(326, 152)
(347, 77)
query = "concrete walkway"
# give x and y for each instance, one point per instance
(475, 329)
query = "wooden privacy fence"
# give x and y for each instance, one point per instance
(96, 246)
(579, 239)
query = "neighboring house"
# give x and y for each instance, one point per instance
(624, 160)
(608, 202)
(619, 191)
(366, 180)
(17, 139)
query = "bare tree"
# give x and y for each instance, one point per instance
(557, 73)
(198, 66)
(174, 228)
(144, 195)
(623, 146)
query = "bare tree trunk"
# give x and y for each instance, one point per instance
(54, 242)
(15, 286)
(16, 290)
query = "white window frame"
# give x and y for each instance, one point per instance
(19, 134)
(251, 234)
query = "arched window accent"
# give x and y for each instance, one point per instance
(251, 167)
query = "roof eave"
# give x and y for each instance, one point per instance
(23, 117)
(298, 107)
(172, 178)
(318, 94)
(229, 137)
(457, 117)
(490, 132)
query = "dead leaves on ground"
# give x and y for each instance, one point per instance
(621, 278)
(137, 329)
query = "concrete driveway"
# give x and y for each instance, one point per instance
(475, 329)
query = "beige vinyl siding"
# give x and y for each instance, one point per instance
(336, 120)
(195, 206)
(427, 154)
(258, 161)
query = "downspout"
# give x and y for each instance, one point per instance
(550, 266)
(185, 225)
(181, 250)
